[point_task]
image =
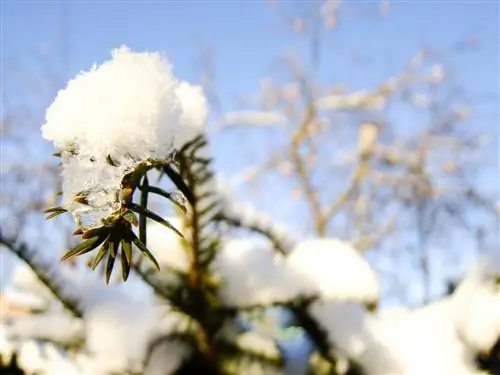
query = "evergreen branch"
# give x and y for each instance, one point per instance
(153, 216)
(165, 194)
(178, 182)
(171, 338)
(233, 352)
(149, 280)
(144, 206)
(313, 329)
(44, 274)
(202, 245)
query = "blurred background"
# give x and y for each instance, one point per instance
(373, 121)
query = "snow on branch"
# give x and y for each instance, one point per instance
(57, 283)
(111, 125)
(252, 274)
(443, 337)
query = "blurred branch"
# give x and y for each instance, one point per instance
(364, 242)
(299, 163)
(367, 139)
(46, 274)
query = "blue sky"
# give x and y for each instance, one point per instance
(247, 37)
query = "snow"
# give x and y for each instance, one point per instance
(132, 108)
(425, 342)
(117, 335)
(55, 326)
(166, 245)
(6, 347)
(336, 269)
(25, 299)
(56, 363)
(346, 325)
(167, 357)
(25, 282)
(253, 274)
(257, 343)
(476, 305)
(126, 105)
(117, 328)
(194, 114)
(439, 339)
(111, 317)
(30, 357)
(44, 359)
(358, 99)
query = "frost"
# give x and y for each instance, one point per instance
(131, 108)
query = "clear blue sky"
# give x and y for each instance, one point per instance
(248, 37)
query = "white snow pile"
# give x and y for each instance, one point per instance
(119, 332)
(439, 339)
(476, 305)
(253, 274)
(116, 330)
(56, 326)
(336, 269)
(131, 108)
(260, 345)
(166, 357)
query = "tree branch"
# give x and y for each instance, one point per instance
(43, 274)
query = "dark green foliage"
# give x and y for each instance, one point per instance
(10, 367)
(115, 236)
(490, 362)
